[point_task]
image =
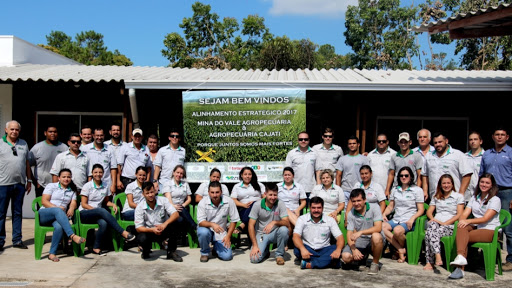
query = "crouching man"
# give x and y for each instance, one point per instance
(268, 223)
(312, 236)
(212, 219)
(364, 226)
(154, 219)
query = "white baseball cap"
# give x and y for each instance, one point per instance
(137, 130)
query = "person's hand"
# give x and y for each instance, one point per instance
(334, 215)
(269, 227)
(114, 208)
(120, 185)
(227, 241)
(160, 228)
(63, 208)
(385, 218)
(463, 223)
(156, 186)
(247, 205)
(355, 235)
(336, 254)
(156, 230)
(217, 228)
(113, 189)
(296, 212)
(70, 212)
(425, 195)
(357, 254)
(28, 187)
(305, 254)
(178, 207)
(387, 193)
(409, 223)
(255, 252)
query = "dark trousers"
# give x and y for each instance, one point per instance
(125, 181)
(145, 240)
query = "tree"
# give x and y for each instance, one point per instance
(378, 32)
(88, 48)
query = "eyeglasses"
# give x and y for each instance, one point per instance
(74, 141)
(404, 175)
(14, 152)
(174, 136)
(382, 141)
(304, 139)
(327, 136)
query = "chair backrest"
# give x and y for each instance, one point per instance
(36, 203)
(121, 198)
(505, 218)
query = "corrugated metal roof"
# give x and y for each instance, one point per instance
(433, 25)
(185, 78)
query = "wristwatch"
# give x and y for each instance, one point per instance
(154, 181)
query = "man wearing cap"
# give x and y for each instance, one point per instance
(379, 159)
(73, 159)
(404, 157)
(327, 154)
(15, 179)
(99, 153)
(167, 158)
(131, 156)
(302, 160)
(347, 168)
(42, 155)
(445, 160)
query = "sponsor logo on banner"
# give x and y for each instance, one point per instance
(195, 168)
(275, 167)
(237, 168)
(262, 178)
(232, 178)
(221, 168)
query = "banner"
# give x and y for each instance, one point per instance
(232, 129)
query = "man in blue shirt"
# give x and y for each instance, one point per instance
(498, 161)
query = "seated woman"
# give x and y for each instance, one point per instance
(245, 194)
(332, 194)
(374, 192)
(407, 201)
(292, 194)
(179, 195)
(59, 203)
(202, 191)
(485, 207)
(448, 205)
(94, 196)
(133, 193)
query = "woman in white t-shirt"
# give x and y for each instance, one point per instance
(485, 207)
(292, 194)
(245, 194)
(95, 196)
(374, 191)
(133, 193)
(448, 205)
(202, 191)
(332, 194)
(177, 191)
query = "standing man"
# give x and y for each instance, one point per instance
(115, 141)
(404, 157)
(153, 150)
(167, 158)
(99, 153)
(86, 135)
(445, 160)
(154, 220)
(42, 155)
(363, 231)
(312, 236)
(498, 162)
(212, 219)
(379, 159)
(424, 146)
(268, 223)
(327, 154)
(474, 158)
(131, 156)
(15, 179)
(302, 160)
(73, 159)
(347, 168)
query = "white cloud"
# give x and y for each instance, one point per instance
(325, 8)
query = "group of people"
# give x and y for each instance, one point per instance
(321, 178)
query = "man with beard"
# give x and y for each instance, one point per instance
(99, 153)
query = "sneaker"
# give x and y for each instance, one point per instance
(374, 269)
(204, 258)
(460, 261)
(174, 256)
(130, 237)
(305, 265)
(457, 274)
(20, 245)
(144, 255)
(507, 266)
(280, 261)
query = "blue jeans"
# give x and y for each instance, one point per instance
(104, 219)
(321, 258)
(279, 236)
(186, 220)
(244, 213)
(11, 194)
(128, 215)
(60, 222)
(506, 196)
(205, 237)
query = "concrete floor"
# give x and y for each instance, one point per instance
(18, 268)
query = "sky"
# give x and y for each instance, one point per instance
(137, 28)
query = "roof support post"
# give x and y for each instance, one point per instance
(133, 107)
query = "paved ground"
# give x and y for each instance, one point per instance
(18, 268)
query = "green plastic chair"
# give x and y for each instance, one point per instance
(492, 249)
(414, 239)
(449, 247)
(342, 226)
(119, 201)
(40, 231)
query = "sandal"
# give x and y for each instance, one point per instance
(54, 259)
(80, 240)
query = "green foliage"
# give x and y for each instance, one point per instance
(378, 32)
(88, 48)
